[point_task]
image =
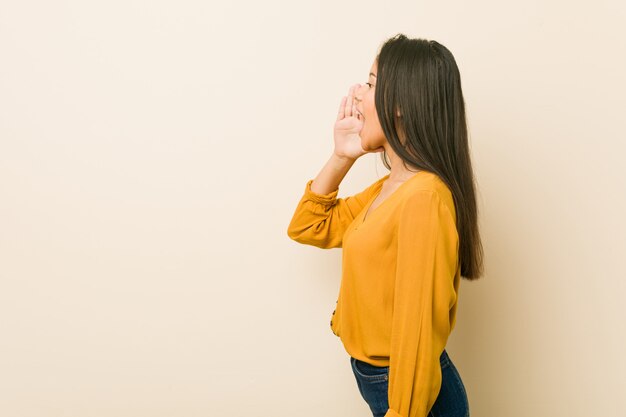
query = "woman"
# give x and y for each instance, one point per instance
(407, 238)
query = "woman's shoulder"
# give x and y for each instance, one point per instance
(428, 183)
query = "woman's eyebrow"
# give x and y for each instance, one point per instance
(372, 74)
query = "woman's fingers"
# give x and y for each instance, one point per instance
(347, 108)
(342, 106)
(349, 102)
(354, 109)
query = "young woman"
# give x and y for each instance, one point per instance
(408, 237)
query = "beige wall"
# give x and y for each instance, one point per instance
(151, 156)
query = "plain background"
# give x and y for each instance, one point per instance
(152, 154)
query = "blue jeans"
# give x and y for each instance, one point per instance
(373, 383)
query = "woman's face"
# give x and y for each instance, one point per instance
(372, 136)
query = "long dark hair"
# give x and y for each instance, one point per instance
(419, 79)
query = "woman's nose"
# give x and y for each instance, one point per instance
(357, 90)
(358, 93)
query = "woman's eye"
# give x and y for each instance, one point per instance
(369, 84)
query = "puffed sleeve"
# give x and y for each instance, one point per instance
(321, 219)
(424, 295)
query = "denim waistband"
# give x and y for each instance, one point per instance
(444, 360)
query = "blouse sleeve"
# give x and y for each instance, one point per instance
(321, 219)
(424, 295)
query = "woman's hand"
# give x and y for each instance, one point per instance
(347, 128)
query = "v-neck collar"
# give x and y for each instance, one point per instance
(367, 215)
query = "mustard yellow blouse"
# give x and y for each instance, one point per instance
(400, 279)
